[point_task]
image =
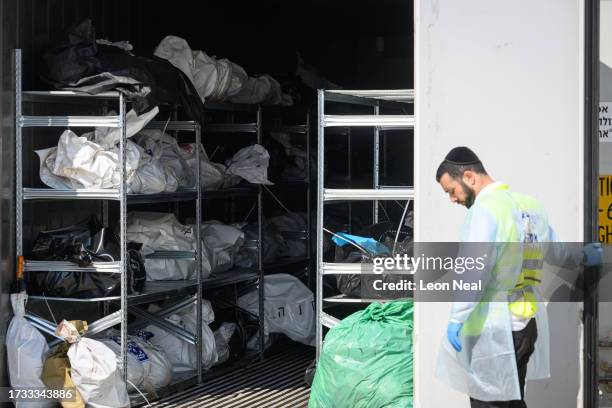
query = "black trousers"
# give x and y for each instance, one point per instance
(524, 342)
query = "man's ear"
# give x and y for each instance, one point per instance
(469, 178)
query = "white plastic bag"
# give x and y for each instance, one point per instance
(92, 160)
(165, 149)
(136, 359)
(212, 175)
(159, 366)
(148, 366)
(77, 162)
(255, 90)
(94, 370)
(220, 245)
(212, 78)
(199, 67)
(162, 231)
(288, 307)
(250, 163)
(181, 354)
(150, 178)
(26, 350)
(84, 162)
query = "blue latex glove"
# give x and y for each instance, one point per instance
(452, 332)
(593, 254)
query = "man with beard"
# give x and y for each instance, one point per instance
(492, 337)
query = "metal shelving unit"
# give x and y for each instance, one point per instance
(154, 291)
(118, 121)
(117, 308)
(374, 99)
(303, 130)
(256, 274)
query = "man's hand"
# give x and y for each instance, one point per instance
(592, 254)
(452, 332)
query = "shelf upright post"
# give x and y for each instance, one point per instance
(123, 237)
(260, 263)
(376, 161)
(18, 157)
(198, 254)
(349, 162)
(320, 208)
(308, 203)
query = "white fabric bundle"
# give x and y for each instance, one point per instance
(212, 78)
(136, 358)
(94, 370)
(165, 149)
(162, 231)
(288, 307)
(220, 79)
(220, 245)
(222, 337)
(92, 160)
(251, 164)
(181, 354)
(77, 162)
(148, 366)
(212, 175)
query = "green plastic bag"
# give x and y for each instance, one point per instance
(366, 361)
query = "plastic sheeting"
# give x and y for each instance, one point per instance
(162, 231)
(26, 349)
(288, 307)
(367, 360)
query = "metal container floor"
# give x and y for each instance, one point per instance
(276, 382)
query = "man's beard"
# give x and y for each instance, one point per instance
(470, 195)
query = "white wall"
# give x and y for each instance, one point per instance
(605, 76)
(506, 79)
(605, 154)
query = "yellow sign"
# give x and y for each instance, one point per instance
(605, 209)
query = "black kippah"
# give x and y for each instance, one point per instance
(461, 156)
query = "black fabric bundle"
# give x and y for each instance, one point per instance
(83, 244)
(78, 63)
(362, 285)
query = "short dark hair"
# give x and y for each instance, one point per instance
(455, 171)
